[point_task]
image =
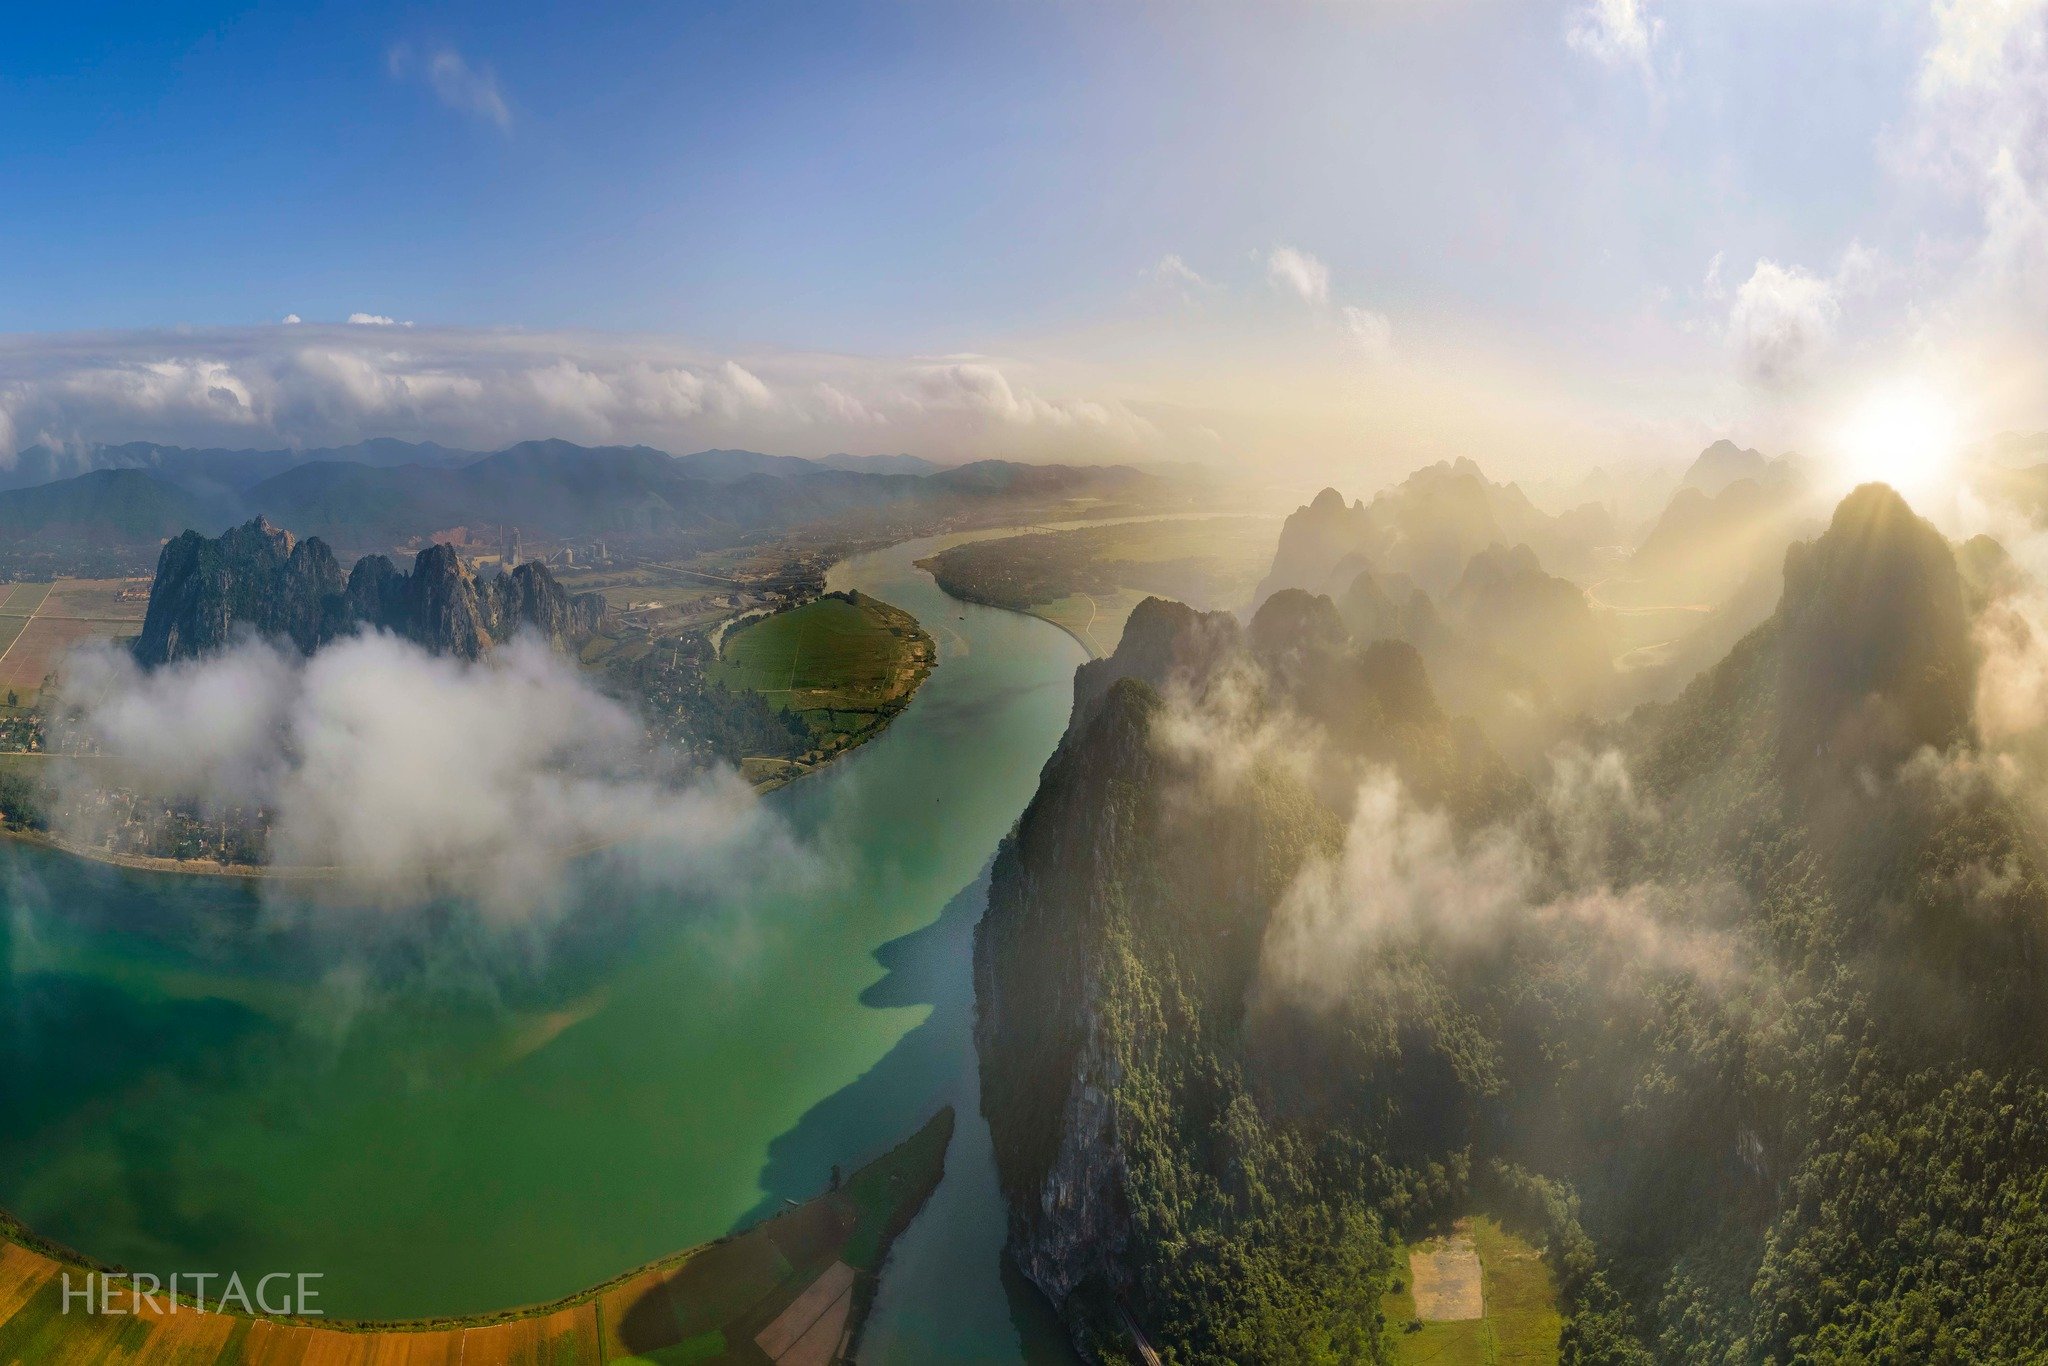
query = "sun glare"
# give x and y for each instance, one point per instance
(1904, 436)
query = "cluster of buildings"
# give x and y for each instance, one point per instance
(591, 553)
(116, 821)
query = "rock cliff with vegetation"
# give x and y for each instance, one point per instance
(261, 580)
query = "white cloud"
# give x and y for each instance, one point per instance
(1615, 32)
(355, 753)
(745, 386)
(468, 88)
(1296, 272)
(1782, 320)
(1981, 131)
(1713, 285)
(368, 320)
(291, 318)
(321, 384)
(1406, 878)
(1975, 42)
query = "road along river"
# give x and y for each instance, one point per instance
(442, 1119)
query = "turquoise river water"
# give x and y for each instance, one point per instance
(444, 1119)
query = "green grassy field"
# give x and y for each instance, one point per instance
(845, 666)
(1521, 1323)
(830, 645)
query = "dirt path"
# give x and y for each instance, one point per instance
(1445, 1274)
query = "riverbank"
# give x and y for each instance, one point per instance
(1087, 580)
(794, 1289)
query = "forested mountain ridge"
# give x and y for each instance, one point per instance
(1743, 1008)
(128, 506)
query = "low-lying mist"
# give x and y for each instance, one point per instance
(1558, 868)
(406, 777)
(1406, 879)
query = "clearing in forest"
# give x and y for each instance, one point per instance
(1480, 1295)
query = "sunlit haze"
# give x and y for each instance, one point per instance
(1906, 436)
(1308, 241)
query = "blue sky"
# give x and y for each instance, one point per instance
(1561, 207)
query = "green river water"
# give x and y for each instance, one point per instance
(441, 1119)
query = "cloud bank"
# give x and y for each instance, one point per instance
(1405, 879)
(311, 384)
(416, 777)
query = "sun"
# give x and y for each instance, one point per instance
(1904, 435)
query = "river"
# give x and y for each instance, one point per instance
(442, 1119)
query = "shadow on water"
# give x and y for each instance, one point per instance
(938, 1301)
(932, 966)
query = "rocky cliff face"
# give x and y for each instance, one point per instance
(258, 578)
(254, 577)
(1166, 643)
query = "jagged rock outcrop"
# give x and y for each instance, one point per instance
(528, 598)
(1165, 643)
(254, 577)
(1041, 998)
(1725, 463)
(1314, 541)
(1292, 631)
(1706, 545)
(259, 579)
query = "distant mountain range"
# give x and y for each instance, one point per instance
(1725, 463)
(212, 470)
(725, 467)
(1427, 528)
(391, 492)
